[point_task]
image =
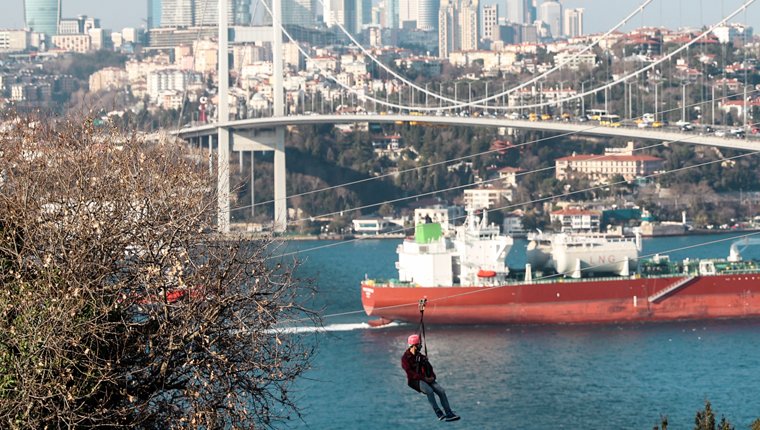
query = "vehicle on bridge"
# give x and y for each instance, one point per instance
(595, 114)
(610, 120)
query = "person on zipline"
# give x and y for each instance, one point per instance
(421, 378)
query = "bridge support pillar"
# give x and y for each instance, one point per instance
(278, 95)
(268, 140)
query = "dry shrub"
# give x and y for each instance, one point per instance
(120, 307)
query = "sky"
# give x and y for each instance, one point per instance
(600, 15)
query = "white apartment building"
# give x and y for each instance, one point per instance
(80, 43)
(108, 78)
(573, 23)
(576, 220)
(177, 80)
(15, 40)
(573, 61)
(486, 198)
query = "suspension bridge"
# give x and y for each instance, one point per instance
(267, 133)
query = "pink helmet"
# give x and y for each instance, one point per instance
(413, 339)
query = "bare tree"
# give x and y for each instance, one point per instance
(120, 306)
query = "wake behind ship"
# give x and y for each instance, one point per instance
(465, 280)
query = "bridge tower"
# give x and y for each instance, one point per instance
(260, 140)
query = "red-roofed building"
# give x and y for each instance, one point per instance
(576, 220)
(509, 176)
(601, 168)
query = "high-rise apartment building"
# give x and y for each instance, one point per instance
(427, 14)
(457, 26)
(573, 25)
(42, 16)
(550, 12)
(490, 22)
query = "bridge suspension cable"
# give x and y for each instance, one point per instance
(493, 97)
(366, 52)
(650, 66)
(447, 161)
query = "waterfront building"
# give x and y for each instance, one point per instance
(550, 12)
(574, 220)
(42, 16)
(371, 225)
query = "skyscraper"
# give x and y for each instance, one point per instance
(351, 14)
(490, 22)
(408, 10)
(573, 24)
(42, 16)
(457, 26)
(550, 12)
(177, 13)
(188, 13)
(427, 18)
(392, 13)
(299, 12)
(516, 10)
(154, 14)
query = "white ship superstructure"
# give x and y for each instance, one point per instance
(473, 255)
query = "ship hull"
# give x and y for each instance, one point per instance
(572, 301)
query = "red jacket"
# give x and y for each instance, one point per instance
(417, 368)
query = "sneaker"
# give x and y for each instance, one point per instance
(451, 416)
(440, 415)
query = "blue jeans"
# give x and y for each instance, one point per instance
(430, 389)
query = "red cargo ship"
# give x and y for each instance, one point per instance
(464, 283)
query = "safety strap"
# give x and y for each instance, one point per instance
(422, 324)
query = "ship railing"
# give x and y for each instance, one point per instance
(670, 289)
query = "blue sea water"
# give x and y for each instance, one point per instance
(520, 376)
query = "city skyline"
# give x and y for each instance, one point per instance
(599, 15)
